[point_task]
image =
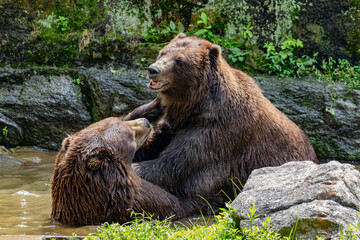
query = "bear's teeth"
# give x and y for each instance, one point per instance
(155, 82)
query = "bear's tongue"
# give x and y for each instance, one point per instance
(155, 84)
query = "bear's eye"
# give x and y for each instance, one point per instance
(179, 62)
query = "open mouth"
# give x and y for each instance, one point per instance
(155, 85)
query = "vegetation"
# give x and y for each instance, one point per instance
(5, 131)
(284, 62)
(77, 81)
(222, 227)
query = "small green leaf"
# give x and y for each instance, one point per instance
(331, 111)
(164, 31)
(204, 18)
(201, 31)
(180, 27)
(172, 26)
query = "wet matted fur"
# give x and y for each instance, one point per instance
(93, 181)
(223, 127)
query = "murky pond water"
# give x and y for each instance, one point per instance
(25, 201)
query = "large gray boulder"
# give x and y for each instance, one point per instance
(45, 107)
(114, 93)
(40, 106)
(305, 102)
(315, 197)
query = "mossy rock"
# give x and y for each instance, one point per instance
(146, 54)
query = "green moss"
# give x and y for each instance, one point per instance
(146, 53)
(317, 34)
(325, 150)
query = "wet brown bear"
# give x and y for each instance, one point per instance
(223, 126)
(94, 183)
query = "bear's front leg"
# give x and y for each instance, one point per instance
(151, 111)
(157, 143)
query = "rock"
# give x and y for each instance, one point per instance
(12, 133)
(114, 93)
(49, 103)
(9, 161)
(317, 197)
(46, 107)
(330, 28)
(304, 101)
(42, 105)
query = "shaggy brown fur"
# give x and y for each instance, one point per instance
(223, 126)
(93, 181)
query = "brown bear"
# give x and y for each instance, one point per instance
(93, 181)
(223, 127)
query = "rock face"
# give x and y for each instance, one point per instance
(45, 107)
(317, 197)
(304, 101)
(39, 106)
(331, 28)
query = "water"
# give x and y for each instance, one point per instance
(25, 200)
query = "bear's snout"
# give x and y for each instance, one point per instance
(153, 71)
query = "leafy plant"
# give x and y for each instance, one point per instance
(332, 71)
(78, 81)
(62, 23)
(5, 131)
(172, 29)
(205, 31)
(153, 35)
(168, 32)
(247, 33)
(237, 55)
(284, 62)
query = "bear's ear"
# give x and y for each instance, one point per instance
(180, 35)
(97, 156)
(214, 52)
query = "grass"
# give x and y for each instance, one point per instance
(222, 227)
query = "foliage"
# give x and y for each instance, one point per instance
(78, 14)
(5, 131)
(173, 29)
(284, 63)
(153, 35)
(78, 81)
(62, 23)
(235, 47)
(205, 32)
(166, 33)
(237, 55)
(142, 227)
(349, 233)
(339, 71)
(332, 71)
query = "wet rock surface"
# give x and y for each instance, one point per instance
(40, 106)
(305, 102)
(49, 103)
(317, 197)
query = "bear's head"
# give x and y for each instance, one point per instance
(183, 66)
(90, 181)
